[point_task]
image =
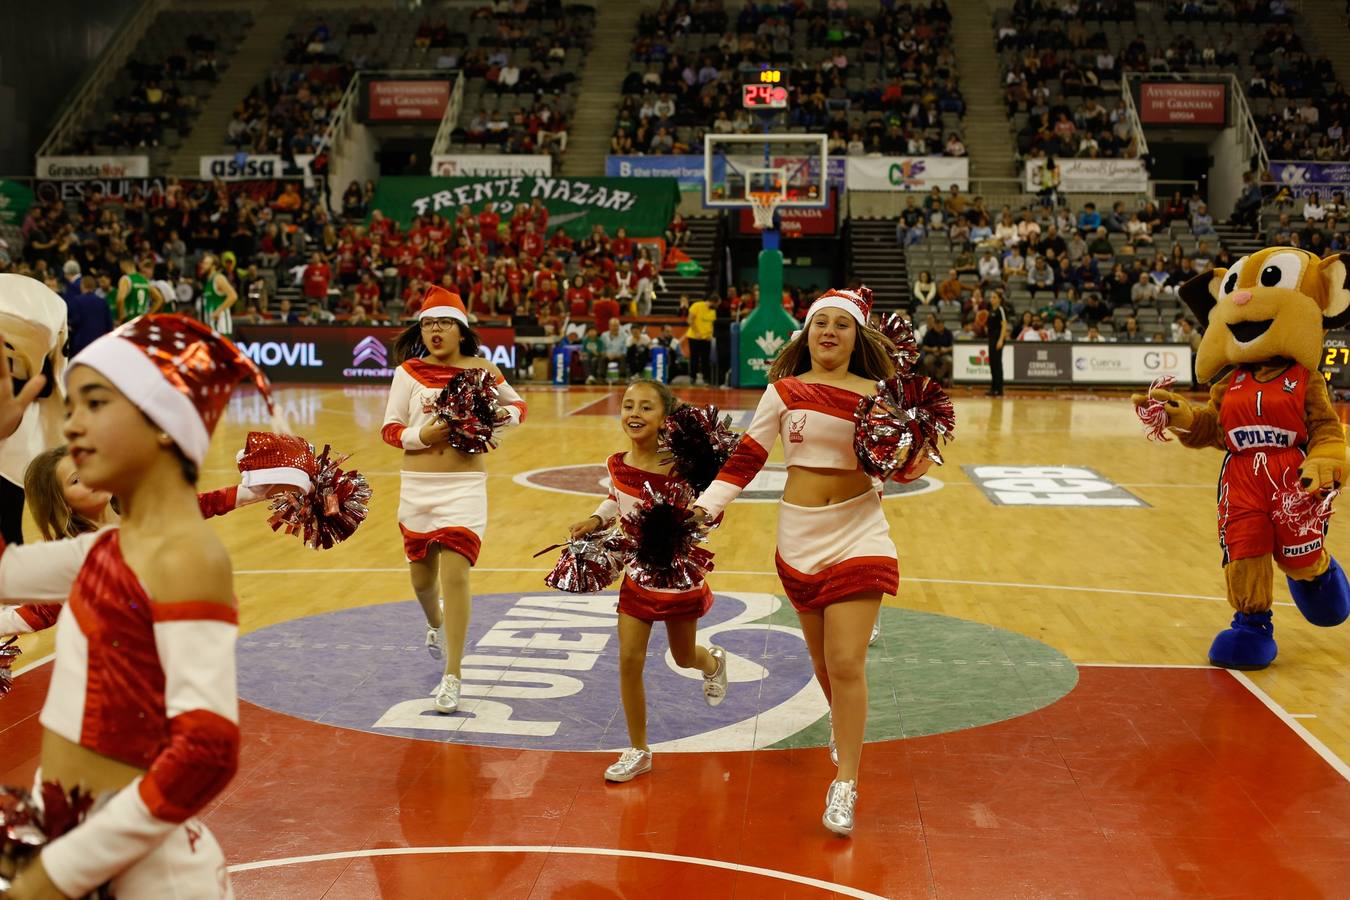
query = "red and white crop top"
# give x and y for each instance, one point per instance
(815, 422)
(412, 400)
(625, 493)
(147, 684)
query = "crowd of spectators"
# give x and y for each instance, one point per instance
(520, 53)
(878, 82)
(1090, 275)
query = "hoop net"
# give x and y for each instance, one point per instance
(763, 204)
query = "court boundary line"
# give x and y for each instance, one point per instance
(562, 850)
(903, 578)
(1312, 740)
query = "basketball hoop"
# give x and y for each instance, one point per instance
(764, 204)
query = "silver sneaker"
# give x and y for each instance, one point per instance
(435, 644)
(839, 800)
(447, 694)
(834, 750)
(715, 685)
(876, 632)
(630, 764)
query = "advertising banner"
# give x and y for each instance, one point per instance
(1182, 103)
(1302, 178)
(344, 354)
(465, 164)
(93, 167)
(407, 101)
(1092, 176)
(907, 173)
(1036, 362)
(796, 221)
(15, 198)
(687, 170)
(1048, 362)
(644, 206)
(239, 167)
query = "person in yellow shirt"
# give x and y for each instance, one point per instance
(702, 314)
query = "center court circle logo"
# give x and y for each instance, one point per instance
(767, 486)
(540, 672)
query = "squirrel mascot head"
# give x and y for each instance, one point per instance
(1276, 303)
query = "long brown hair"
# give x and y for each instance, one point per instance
(45, 499)
(871, 358)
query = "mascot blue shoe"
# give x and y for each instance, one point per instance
(1249, 643)
(1324, 600)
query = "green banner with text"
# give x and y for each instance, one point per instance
(644, 206)
(15, 198)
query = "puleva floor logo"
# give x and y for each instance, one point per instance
(767, 486)
(541, 672)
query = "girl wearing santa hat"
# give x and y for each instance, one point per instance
(835, 555)
(63, 506)
(442, 509)
(644, 409)
(142, 709)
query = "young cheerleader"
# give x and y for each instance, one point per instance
(835, 555)
(142, 709)
(65, 507)
(442, 509)
(645, 406)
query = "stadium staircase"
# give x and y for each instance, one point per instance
(703, 249)
(592, 124)
(986, 120)
(877, 261)
(1238, 239)
(1327, 21)
(260, 51)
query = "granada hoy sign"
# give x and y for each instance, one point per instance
(642, 205)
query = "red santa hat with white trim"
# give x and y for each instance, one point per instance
(177, 371)
(438, 303)
(856, 303)
(269, 459)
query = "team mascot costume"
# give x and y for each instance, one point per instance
(1270, 411)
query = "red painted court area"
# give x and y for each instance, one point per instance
(1141, 782)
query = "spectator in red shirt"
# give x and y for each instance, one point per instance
(578, 297)
(379, 225)
(368, 293)
(606, 308)
(316, 278)
(531, 241)
(561, 243)
(621, 248)
(545, 294)
(488, 222)
(539, 215)
(412, 297)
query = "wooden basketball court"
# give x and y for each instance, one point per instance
(1043, 723)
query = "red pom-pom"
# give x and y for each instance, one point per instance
(26, 826)
(903, 422)
(589, 563)
(1154, 413)
(9, 651)
(662, 539)
(699, 443)
(332, 510)
(468, 404)
(901, 332)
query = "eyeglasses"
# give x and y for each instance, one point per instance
(437, 324)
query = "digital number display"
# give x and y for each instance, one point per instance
(771, 76)
(764, 96)
(1336, 359)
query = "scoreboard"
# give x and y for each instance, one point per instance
(767, 89)
(1336, 359)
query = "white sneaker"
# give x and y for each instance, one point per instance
(839, 800)
(630, 764)
(435, 643)
(876, 632)
(447, 694)
(715, 685)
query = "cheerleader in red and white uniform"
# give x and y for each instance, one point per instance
(835, 554)
(65, 507)
(142, 708)
(645, 406)
(442, 509)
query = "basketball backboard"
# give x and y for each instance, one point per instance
(738, 166)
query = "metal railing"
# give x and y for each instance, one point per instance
(1132, 116)
(111, 59)
(337, 123)
(450, 120)
(1241, 117)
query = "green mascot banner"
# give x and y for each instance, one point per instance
(15, 198)
(644, 206)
